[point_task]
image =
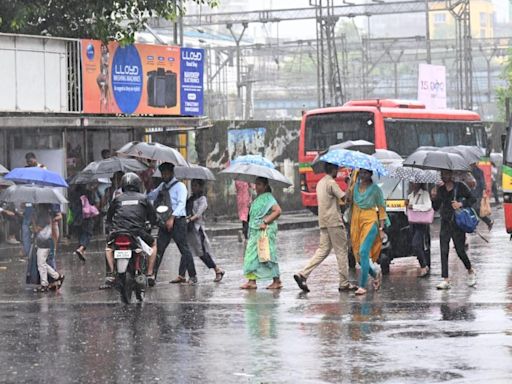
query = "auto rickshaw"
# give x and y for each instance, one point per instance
(398, 240)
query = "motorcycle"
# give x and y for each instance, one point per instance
(130, 261)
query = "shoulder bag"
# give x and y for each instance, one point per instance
(420, 217)
(465, 218)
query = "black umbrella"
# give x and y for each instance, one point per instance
(437, 160)
(104, 169)
(153, 151)
(471, 153)
(32, 194)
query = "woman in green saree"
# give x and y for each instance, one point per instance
(262, 216)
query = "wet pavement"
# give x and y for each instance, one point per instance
(214, 333)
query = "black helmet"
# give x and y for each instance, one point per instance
(131, 182)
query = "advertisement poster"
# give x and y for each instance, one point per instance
(432, 85)
(142, 79)
(246, 141)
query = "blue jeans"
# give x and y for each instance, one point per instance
(85, 238)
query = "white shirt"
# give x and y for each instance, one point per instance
(420, 201)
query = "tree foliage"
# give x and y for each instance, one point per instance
(506, 91)
(97, 19)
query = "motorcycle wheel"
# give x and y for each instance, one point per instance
(126, 287)
(139, 293)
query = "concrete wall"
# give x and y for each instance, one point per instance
(275, 140)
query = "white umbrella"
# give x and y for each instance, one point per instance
(153, 151)
(248, 172)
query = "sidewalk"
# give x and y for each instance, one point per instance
(215, 226)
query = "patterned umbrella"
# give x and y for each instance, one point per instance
(354, 159)
(253, 159)
(410, 174)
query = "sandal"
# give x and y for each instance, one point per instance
(80, 255)
(426, 273)
(348, 287)
(249, 286)
(360, 292)
(41, 289)
(178, 280)
(275, 286)
(219, 275)
(60, 280)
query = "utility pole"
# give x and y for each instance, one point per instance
(427, 33)
(238, 39)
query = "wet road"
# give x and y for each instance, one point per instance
(406, 333)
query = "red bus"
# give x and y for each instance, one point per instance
(401, 126)
(507, 180)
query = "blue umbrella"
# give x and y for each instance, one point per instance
(36, 175)
(353, 159)
(255, 160)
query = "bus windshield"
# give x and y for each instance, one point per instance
(324, 130)
(404, 136)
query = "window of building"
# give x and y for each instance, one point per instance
(483, 19)
(439, 18)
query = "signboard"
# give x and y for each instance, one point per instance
(142, 79)
(432, 85)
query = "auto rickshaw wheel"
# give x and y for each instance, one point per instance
(384, 262)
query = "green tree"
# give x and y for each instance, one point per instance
(506, 91)
(96, 19)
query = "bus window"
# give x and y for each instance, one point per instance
(324, 130)
(404, 136)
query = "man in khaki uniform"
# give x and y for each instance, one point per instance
(332, 231)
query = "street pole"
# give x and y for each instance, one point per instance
(427, 33)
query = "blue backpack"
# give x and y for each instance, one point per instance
(465, 218)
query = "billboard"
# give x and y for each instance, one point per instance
(142, 79)
(432, 85)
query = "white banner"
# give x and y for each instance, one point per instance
(432, 85)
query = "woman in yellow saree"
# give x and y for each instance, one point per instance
(366, 226)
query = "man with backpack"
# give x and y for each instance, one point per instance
(173, 194)
(449, 198)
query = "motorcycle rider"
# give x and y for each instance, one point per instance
(129, 212)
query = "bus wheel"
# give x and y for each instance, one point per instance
(384, 262)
